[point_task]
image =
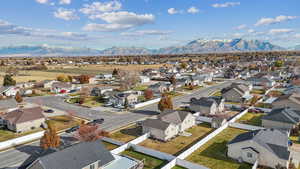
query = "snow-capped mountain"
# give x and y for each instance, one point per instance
(196, 46)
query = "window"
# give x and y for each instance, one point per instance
(92, 166)
(249, 155)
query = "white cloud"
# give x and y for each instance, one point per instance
(65, 2)
(280, 31)
(278, 19)
(193, 10)
(146, 32)
(297, 35)
(226, 4)
(251, 31)
(66, 14)
(119, 20)
(42, 1)
(100, 7)
(240, 27)
(172, 11)
(7, 28)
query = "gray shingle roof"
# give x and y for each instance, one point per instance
(284, 115)
(171, 116)
(156, 123)
(8, 104)
(77, 156)
(275, 141)
(204, 101)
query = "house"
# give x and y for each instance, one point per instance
(204, 105)
(25, 85)
(217, 122)
(120, 99)
(197, 80)
(236, 93)
(8, 91)
(99, 91)
(61, 87)
(281, 118)
(288, 100)
(105, 76)
(144, 79)
(161, 87)
(45, 84)
(261, 81)
(85, 155)
(8, 104)
(268, 146)
(22, 120)
(168, 124)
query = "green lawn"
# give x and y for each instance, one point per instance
(140, 88)
(7, 135)
(251, 119)
(180, 143)
(213, 153)
(109, 146)
(149, 161)
(63, 122)
(178, 167)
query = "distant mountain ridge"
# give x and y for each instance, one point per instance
(196, 46)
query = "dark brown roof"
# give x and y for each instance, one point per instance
(24, 115)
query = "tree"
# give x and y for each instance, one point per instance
(183, 65)
(62, 78)
(173, 80)
(50, 138)
(148, 94)
(88, 133)
(84, 79)
(18, 97)
(126, 104)
(8, 81)
(115, 72)
(165, 103)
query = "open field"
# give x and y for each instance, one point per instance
(149, 161)
(213, 153)
(251, 119)
(180, 143)
(127, 134)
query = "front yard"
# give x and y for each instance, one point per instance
(180, 143)
(126, 134)
(251, 119)
(149, 161)
(7, 135)
(63, 122)
(213, 153)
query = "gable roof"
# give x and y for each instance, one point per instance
(204, 101)
(156, 123)
(172, 116)
(24, 115)
(284, 115)
(77, 156)
(275, 141)
(8, 104)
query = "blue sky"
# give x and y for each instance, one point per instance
(146, 23)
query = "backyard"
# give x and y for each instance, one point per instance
(149, 161)
(109, 146)
(180, 143)
(251, 119)
(213, 153)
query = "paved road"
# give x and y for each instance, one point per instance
(21, 154)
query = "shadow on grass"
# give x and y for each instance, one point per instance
(135, 131)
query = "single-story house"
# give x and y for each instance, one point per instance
(22, 120)
(168, 124)
(236, 93)
(61, 87)
(144, 79)
(288, 100)
(8, 91)
(161, 87)
(282, 118)
(268, 146)
(45, 84)
(85, 155)
(104, 76)
(25, 85)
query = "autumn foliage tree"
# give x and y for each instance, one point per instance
(84, 79)
(50, 139)
(18, 97)
(165, 103)
(88, 133)
(148, 94)
(63, 78)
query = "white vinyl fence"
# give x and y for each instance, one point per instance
(255, 165)
(21, 140)
(189, 165)
(153, 153)
(170, 165)
(146, 103)
(112, 141)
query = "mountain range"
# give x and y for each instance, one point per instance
(196, 46)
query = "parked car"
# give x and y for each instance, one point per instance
(73, 129)
(256, 110)
(49, 111)
(96, 121)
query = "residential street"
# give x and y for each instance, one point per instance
(18, 156)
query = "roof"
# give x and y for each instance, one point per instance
(61, 85)
(77, 156)
(274, 140)
(294, 97)
(172, 116)
(24, 115)
(284, 115)
(204, 101)
(156, 123)
(8, 104)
